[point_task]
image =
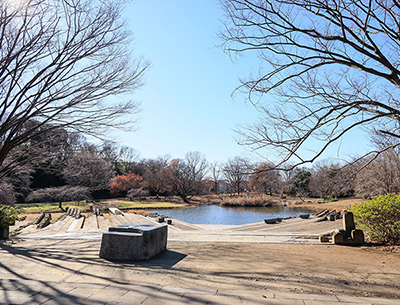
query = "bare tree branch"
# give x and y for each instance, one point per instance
(64, 64)
(329, 67)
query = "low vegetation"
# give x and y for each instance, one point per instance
(50, 207)
(254, 201)
(148, 205)
(380, 218)
(9, 215)
(328, 200)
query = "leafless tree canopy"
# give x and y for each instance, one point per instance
(327, 67)
(236, 172)
(60, 63)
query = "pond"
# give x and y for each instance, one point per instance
(215, 214)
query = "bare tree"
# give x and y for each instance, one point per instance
(60, 64)
(7, 193)
(380, 176)
(197, 165)
(127, 159)
(60, 194)
(236, 172)
(216, 174)
(265, 179)
(87, 169)
(288, 179)
(327, 67)
(153, 172)
(185, 177)
(331, 179)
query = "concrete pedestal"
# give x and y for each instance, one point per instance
(133, 242)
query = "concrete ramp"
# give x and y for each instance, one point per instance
(91, 226)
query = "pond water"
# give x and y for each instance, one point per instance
(215, 214)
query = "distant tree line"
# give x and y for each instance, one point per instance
(68, 167)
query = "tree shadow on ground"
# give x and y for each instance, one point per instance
(21, 283)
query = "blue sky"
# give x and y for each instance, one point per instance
(186, 102)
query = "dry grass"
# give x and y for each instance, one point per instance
(340, 205)
(253, 201)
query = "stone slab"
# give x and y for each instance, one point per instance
(133, 242)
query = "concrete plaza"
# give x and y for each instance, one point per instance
(204, 264)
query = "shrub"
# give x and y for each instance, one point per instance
(8, 215)
(123, 183)
(328, 200)
(380, 218)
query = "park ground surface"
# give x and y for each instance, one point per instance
(70, 272)
(204, 264)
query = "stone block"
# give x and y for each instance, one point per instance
(116, 211)
(305, 216)
(324, 238)
(348, 222)
(331, 217)
(45, 221)
(270, 221)
(160, 219)
(39, 218)
(357, 237)
(133, 242)
(339, 237)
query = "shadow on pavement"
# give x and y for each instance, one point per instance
(163, 260)
(37, 271)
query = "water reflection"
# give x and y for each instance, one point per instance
(214, 214)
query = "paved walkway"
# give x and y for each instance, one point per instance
(60, 265)
(62, 293)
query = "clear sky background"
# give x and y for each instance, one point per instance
(186, 102)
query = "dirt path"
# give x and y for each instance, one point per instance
(321, 269)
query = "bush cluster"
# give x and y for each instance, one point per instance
(8, 215)
(380, 218)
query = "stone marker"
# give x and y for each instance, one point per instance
(133, 242)
(348, 236)
(357, 236)
(338, 237)
(348, 221)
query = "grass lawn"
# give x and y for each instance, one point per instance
(52, 207)
(47, 207)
